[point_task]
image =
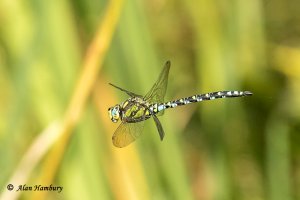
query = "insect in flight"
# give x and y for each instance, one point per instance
(137, 108)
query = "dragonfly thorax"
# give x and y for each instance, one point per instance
(134, 110)
(114, 113)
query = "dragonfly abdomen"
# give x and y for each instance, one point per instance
(155, 108)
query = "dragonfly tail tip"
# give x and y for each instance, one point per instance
(248, 93)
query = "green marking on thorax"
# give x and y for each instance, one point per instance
(135, 108)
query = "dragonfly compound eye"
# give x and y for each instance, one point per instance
(113, 113)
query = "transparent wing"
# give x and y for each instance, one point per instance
(126, 91)
(126, 133)
(159, 128)
(158, 90)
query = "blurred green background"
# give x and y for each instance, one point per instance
(243, 148)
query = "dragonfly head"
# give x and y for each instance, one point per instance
(114, 113)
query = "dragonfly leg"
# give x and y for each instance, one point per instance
(126, 91)
(159, 128)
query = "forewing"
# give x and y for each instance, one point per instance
(127, 133)
(126, 91)
(158, 90)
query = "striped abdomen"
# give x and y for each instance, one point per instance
(155, 108)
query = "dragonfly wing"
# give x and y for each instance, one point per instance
(158, 90)
(159, 128)
(126, 91)
(127, 133)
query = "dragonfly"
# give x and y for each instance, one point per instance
(134, 111)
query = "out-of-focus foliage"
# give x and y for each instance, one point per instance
(244, 148)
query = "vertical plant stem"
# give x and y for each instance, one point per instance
(92, 63)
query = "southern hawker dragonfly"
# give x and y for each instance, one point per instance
(137, 108)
